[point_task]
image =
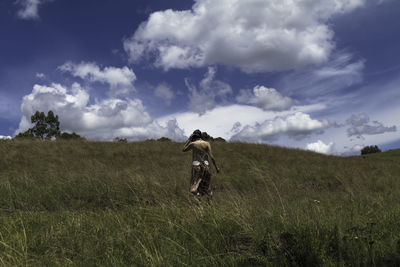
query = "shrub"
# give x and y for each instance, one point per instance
(27, 134)
(69, 136)
(164, 139)
(119, 139)
(206, 137)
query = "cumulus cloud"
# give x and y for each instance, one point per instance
(359, 126)
(356, 149)
(321, 147)
(120, 80)
(5, 137)
(265, 98)
(352, 150)
(236, 127)
(296, 126)
(209, 92)
(228, 120)
(104, 120)
(254, 36)
(152, 130)
(164, 91)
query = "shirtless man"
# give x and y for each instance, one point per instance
(201, 172)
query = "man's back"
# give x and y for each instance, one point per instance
(201, 150)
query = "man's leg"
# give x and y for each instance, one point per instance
(195, 180)
(204, 187)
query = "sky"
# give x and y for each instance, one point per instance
(320, 75)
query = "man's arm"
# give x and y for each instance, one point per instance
(212, 158)
(188, 145)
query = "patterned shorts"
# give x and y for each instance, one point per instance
(200, 181)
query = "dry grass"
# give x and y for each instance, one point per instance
(114, 204)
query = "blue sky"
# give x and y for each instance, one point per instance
(319, 75)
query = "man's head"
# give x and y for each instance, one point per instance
(196, 135)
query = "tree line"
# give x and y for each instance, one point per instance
(47, 127)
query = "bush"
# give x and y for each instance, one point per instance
(164, 139)
(119, 139)
(370, 150)
(28, 134)
(206, 137)
(69, 136)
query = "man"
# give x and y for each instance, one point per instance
(201, 173)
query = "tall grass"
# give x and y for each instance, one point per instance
(116, 204)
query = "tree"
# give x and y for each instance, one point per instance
(370, 150)
(45, 127)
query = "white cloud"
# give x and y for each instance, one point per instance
(4, 137)
(359, 126)
(153, 130)
(352, 150)
(383, 1)
(164, 91)
(265, 98)
(228, 121)
(254, 35)
(341, 66)
(329, 78)
(321, 147)
(218, 121)
(358, 120)
(40, 75)
(384, 107)
(356, 149)
(236, 127)
(120, 79)
(296, 126)
(104, 120)
(29, 9)
(209, 92)
(375, 128)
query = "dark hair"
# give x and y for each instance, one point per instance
(196, 135)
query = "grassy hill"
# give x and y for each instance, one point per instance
(117, 204)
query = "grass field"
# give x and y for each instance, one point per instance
(127, 204)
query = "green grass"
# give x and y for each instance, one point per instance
(127, 204)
